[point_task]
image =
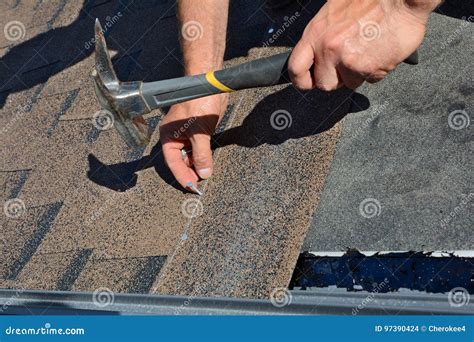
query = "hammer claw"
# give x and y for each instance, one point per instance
(122, 99)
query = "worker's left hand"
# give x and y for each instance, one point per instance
(352, 41)
(189, 126)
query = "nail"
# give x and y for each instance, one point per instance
(191, 186)
(204, 173)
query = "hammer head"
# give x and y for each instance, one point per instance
(122, 99)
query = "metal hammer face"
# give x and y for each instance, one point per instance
(122, 99)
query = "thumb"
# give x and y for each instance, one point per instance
(202, 155)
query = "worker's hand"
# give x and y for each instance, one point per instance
(352, 41)
(190, 125)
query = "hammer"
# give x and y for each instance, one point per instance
(128, 101)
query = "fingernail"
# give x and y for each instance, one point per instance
(192, 187)
(204, 173)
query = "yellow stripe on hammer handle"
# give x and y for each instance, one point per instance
(211, 78)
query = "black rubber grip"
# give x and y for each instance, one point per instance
(266, 72)
(261, 72)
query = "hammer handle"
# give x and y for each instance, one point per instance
(264, 72)
(261, 72)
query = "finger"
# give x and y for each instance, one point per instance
(376, 77)
(299, 66)
(174, 159)
(202, 155)
(368, 68)
(326, 77)
(325, 73)
(349, 78)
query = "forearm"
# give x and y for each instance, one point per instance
(203, 34)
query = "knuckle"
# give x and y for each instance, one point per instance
(371, 70)
(350, 62)
(358, 65)
(368, 70)
(293, 69)
(331, 44)
(201, 159)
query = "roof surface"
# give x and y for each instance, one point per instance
(99, 214)
(408, 155)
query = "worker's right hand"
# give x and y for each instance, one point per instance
(352, 41)
(190, 125)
